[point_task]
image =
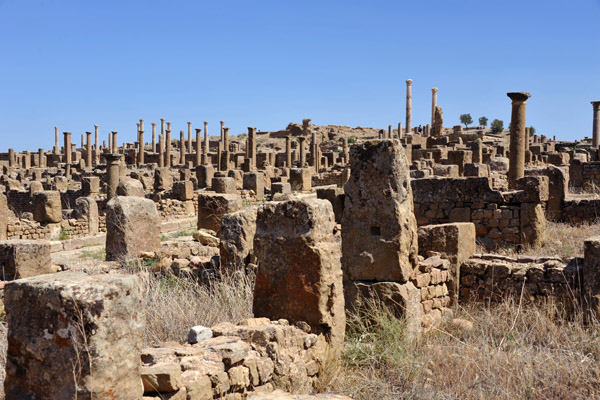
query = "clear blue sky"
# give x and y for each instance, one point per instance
(265, 63)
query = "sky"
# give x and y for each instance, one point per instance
(73, 64)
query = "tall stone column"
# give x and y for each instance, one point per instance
(346, 150)
(433, 104)
(154, 137)
(11, 157)
(56, 141)
(182, 147)
(301, 140)
(41, 158)
(161, 151)
(189, 146)
(390, 131)
(115, 146)
(222, 126)
(516, 166)
(198, 147)
(82, 141)
(88, 161)
(252, 147)
(162, 127)
(225, 151)
(168, 147)
(96, 140)
(113, 162)
(67, 149)
(408, 105)
(141, 149)
(205, 157)
(288, 151)
(596, 125)
(399, 130)
(110, 141)
(225, 139)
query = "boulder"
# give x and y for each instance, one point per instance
(130, 187)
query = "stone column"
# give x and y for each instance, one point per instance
(222, 126)
(56, 141)
(476, 148)
(516, 169)
(314, 152)
(189, 146)
(110, 141)
(96, 141)
(41, 158)
(113, 162)
(225, 151)
(288, 152)
(154, 137)
(198, 147)
(162, 127)
(433, 104)
(11, 157)
(205, 157)
(82, 141)
(168, 147)
(225, 139)
(301, 140)
(408, 105)
(161, 151)
(67, 148)
(252, 147)
(596, 125)
(182, 147)
(88, 161)
(141, 149)
(399, 130)
(389, 131)
(115, 147)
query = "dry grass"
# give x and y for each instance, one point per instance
(174, 304)
(562, 240)
(510, 353)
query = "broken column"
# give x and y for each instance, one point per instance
(251, 150)
(408, 105)
(113, 162)
(516, 169)
(477, 149)
(56, 141)
(189, 145)
(168, 146)
(67, 148)
(379, 232)
(438, 125)
(161, 151)
(71, 335)
(205, 158)
(153, 137)
(182, 147)
(115, 146)
(88, 161)
(433, 104)
(300, 280)
(198, 147)
(141, 143)
(288, 151)
(132, 226)
(301, 140)
(596, 125)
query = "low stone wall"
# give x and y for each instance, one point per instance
(491, 277)
(172, 208)
(432, 282)
(590, 174)
(327, 178)
(577, 211)
(26, 229)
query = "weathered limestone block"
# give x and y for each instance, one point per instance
(533, 224)
(281, 187)
(477, 170)
(558, 186)
(224, 185)
(183, 190)
(255, 181)
(130, 187)
(379, 230)
(86, 208)
(499, 164)
(24, 259)
(132, 226)
(163, 180)
(299, 275)
(238, 177)
(3, 217)
(47, 207)
(213, 206)
(90, 185)
(336, 197)
(237, 239)
(533, 189)
(35, 187)
(204, 174)
(455, 241)
(73, 336)
(591, 274)
(300, 179)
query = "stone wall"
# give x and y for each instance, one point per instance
(577, 211)
(327, 178)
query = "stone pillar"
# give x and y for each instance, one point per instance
(189, 145)
(82, 141)
(408, 105)
(141, 149)
(162, 126)
(399, 130)
(225, 151)
(11, 157)
(389, 136)
(88, 161)
(96, 140)
(56, 142)
(67, 148)
(477, 148)
(205, 157)
(41, 158)
(222, 126)
(301, 140)
(154, 137)
(198, 147)
(115, 147)
(516, 169)
(288, 151)
(168, 146)
(225, 139)
(252, 147)
(113, 162)
(433, 104)
(110, 141)
(182, 147)
(596, 125)
(314, 150)
(161, 151)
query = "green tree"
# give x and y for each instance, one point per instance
(483, 121)
(531, 130)
(466, 119)
(497, 126)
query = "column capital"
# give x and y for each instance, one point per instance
(153, 123)
(519, 96)
(596, 104)
(67, 133)
(409, 82)
(198, 130)
(434, 90)
(96, 126)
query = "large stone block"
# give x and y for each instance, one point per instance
(183, 190)
(533, 224)
(301, 179)
(163, 180)
(24, 258)
(71, 336)
(86, 208)
(237, 239)
(204, 174)
(47, 207)
(299, 275)
(379, 230)
(130, 187)
(90, 185)
(591, 274)
(213, 206)
(336, 197)
(222, 184)
(132, 226)
(255, 181)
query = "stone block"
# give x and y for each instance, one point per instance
(47, 207)
(204, 174)
(86, 209)
(255, 181)
(163, 180)
(132, 226)
(90, 185)
(24, 259)
(237, 239)
(336, 196)
(533, 224)
(71, 335)
(532, 189)
(3, 217)
(591, 275)
(478, 170)
(281, 187)
(213, 206)
(224, 185)
(183, 190)
(300, 179)
(130, 187)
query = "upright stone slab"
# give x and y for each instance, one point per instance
(299, 275)
(591, 275)
(213, 206)
(71, 335)
(47, 206)
(3, 217)
(255, 181)
(379, 230)
(301, 179)
(86, 208)
(163, 180)
(237, 239)
(132, 226)
(24, 259)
